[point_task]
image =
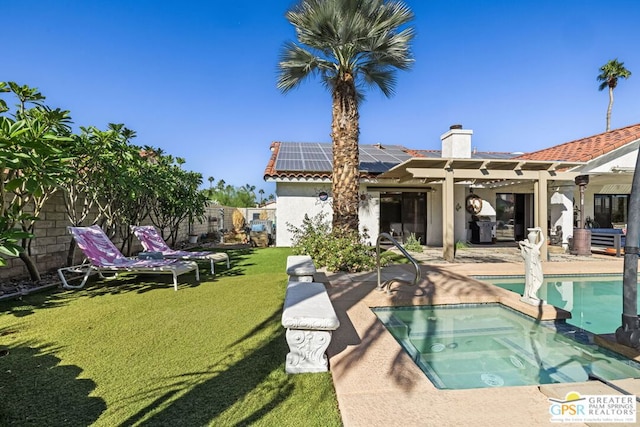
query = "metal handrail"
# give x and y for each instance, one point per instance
(390, 238)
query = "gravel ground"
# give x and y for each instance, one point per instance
(11, 288)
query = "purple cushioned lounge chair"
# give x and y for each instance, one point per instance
(103, 256)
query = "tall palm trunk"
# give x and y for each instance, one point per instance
(346, 160)
(609, 108)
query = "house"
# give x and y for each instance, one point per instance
(458, 194)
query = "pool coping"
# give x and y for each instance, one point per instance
(571, 332)
(378, 384)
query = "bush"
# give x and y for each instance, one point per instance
(461, 245)
(336, 251)
(413, 244)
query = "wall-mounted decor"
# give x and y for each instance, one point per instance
(473, 204)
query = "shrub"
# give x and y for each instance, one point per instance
(336, 251)
(461, 245)
(413, 244)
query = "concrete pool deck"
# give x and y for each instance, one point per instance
(378, 384)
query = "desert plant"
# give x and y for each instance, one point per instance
(413, 243)
(461, 245)
(336, 250)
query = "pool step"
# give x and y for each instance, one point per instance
(471, 332)
(397, 327)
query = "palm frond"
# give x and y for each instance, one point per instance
(611, 72)
(383, 78)
(295, 65)
(366, 39)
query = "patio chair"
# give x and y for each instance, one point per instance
(103, 256)
(152, 241)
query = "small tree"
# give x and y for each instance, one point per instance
(32, 165)
(80, 187)
(178, 200)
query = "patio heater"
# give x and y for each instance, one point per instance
(629, 333)
(581, 236)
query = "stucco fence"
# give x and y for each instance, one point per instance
(51, 242)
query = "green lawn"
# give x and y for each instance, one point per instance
(132, 351)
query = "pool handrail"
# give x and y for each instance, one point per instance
(404, 252)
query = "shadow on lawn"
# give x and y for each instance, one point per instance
(142, 283)
(225, 387)
(127, 282)
(37, 390)
(27, 305)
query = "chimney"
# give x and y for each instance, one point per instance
(456, 143)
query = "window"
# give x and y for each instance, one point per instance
(610, 210)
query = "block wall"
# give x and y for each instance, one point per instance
(51, 243)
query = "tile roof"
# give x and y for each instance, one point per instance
(271, 171)
(585, 149)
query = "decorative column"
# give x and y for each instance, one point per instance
(448, 210)
(307, 351)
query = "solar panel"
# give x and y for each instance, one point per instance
(318, 157)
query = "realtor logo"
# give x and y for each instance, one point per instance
(597, 408)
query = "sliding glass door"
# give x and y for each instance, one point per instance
(403, 214)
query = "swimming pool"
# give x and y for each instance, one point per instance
(489, 345)
(595, 302)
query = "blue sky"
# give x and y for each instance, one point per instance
(198, 78)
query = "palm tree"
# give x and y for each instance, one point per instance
(349, 44)
(609, 75)
(210, 192)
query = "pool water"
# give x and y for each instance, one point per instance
(595, 302)
(489, 345)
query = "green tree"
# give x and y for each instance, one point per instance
(348, 44)
(33, 164)
(125, 188)
(79, 186)
(609, 75)
(227, 195)
(177, 197)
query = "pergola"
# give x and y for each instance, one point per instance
(485, 172)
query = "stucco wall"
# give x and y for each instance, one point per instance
(295, 200)
(623, 157)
